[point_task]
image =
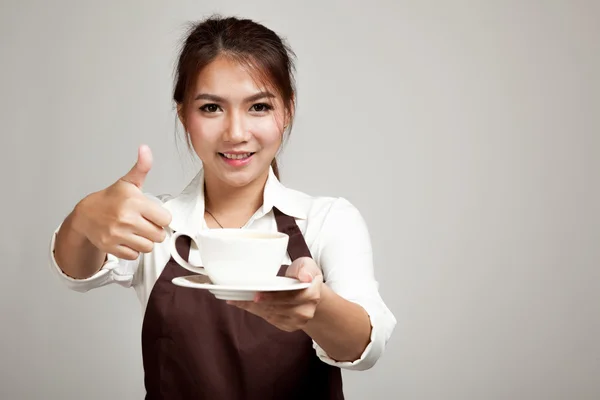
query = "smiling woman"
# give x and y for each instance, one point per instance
(234, 93)
(234, 126)
(262, 60)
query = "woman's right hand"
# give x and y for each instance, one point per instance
(120, 219)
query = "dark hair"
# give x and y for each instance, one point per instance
(251, 44)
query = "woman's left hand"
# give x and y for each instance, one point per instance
(289, 311)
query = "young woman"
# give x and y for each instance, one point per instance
(235, 98)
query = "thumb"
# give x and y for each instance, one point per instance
(304, 269)
(137, 174)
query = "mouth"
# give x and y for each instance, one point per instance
(236, 156)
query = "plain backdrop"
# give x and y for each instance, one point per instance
(467, 133)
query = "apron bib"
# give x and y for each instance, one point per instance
(195, 346)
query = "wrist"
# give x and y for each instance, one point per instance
(322, 306)
(75, 221)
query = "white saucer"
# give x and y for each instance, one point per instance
(237, 292)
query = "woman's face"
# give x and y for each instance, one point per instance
(235, 126)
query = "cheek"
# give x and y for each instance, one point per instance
(268, 132)
(203, 133)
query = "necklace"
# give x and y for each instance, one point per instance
(216, 220)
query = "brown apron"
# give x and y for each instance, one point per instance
(195, 346)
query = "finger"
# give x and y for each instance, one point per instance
(294, 268)
(306, 275)
(304, 269)
(156, 214)
(125, 253)
(138, 243)
(137, 174)
(149, 230)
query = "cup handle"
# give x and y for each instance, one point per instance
(177, 257)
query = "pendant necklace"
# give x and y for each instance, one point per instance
(216, 220)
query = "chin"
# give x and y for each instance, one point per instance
(237, 182)
(239, 178)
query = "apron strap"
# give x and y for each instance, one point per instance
(297, 246)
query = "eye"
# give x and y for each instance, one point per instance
(210, 108)
(261, 107)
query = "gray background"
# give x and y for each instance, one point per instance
(466, 132)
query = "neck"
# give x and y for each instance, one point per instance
(232, 205)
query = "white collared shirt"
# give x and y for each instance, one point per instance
(333, 228)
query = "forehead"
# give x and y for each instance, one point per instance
(227, 77)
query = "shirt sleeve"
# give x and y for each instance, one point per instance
(115, 270)
(345, 255)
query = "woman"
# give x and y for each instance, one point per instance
(235, 98)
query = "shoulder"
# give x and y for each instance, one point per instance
(329, 207)
(334, 229)
(325, 209)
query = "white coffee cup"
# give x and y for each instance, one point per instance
(237, 257)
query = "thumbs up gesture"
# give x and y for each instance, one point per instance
(120, 219)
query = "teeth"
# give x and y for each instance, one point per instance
(237, 156)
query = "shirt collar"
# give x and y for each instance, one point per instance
(187, 209)
(288, 201)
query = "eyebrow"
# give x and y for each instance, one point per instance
(219, 99)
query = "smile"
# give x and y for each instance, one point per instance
(237, 156)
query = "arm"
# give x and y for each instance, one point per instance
(341, 328)
(346, 317)
(344, 254)
(109, 229)
(76, 255)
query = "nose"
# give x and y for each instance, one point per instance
(236, 130)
